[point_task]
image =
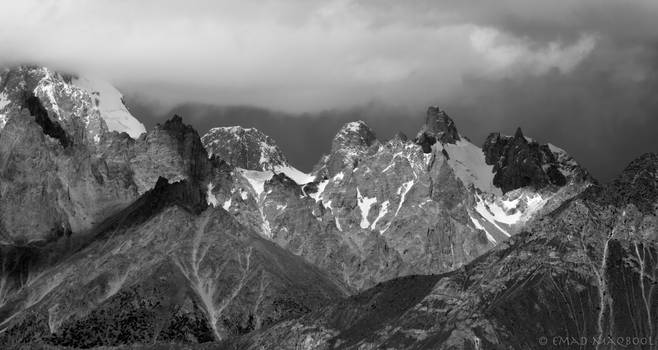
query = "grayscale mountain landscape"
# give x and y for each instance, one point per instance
(130, 219)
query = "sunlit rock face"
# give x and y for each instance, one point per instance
(246, 148)
(373, 210)
(587, 269)
(351, 142)
(59, 158)
(49, 144)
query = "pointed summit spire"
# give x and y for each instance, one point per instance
(518, 134)
(246, 148)
(356, 134)
(438, 127)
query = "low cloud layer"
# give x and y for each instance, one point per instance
(581, 74)
(291, 54)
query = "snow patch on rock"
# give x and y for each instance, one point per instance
(296, 175)
(318, 195)
(402, 191)
(382, 212)
(227, 204)
(364, 205)
(479, 226)
(468, 163)
(4, 101)
(256, 179)
(508, 211)
(210, 198)
(109, 102)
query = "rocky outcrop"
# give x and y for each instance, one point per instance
(350, 144)
(172, 150)
(520, 162)
(637, 185)
(246, 148)
(439, 127)
(50, 128)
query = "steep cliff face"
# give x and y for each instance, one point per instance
(351, 142)
(59, 158)
(167, 268)
(584, 275)
(520, 162)
(48, 162)
(172, 150)
(439, 127)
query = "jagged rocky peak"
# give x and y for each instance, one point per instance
(178, 129)
(85, 109)
(246, 148)
(438, 127)
(637, 185)
(354, 134)
(352, 141)
(643, 170)
(519, 161)
(400, 137)
(178, 150)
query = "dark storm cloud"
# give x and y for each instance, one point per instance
(580, 74)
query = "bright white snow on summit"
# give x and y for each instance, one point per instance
(354, 126)
(109, 102)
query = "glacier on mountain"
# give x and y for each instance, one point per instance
(109, 102)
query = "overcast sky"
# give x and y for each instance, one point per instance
(581, 74)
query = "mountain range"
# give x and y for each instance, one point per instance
(114, 235)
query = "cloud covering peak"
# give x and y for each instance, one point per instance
(288, 54)
(581, 74)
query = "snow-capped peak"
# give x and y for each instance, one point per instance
(253, 151)
(109, 101)
(246, 148)
(354, 134)
(73, 102)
